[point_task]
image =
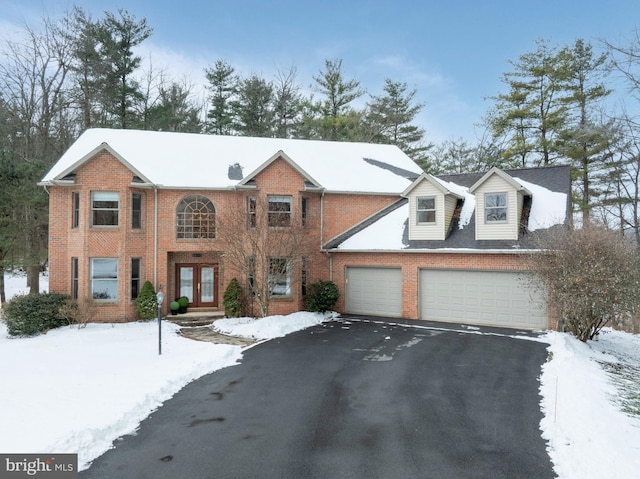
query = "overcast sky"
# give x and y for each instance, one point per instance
(453, 52)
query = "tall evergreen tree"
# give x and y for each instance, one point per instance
(253, 109)
(334, 120)
(174, 111)
(585, 137)
(223, 87)
(529, 116)
(118, 36)
(391, 116)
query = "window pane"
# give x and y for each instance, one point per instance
(279, 211)
(104, 206)
(280, 276)
(104, 278)
(136, 211)
(104, 268)
(426, 216)
(105, 196)
(135, 277)
(75, 221)
(426, 203)
(495, 207)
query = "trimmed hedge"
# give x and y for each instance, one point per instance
(33, 314)
(322, 296)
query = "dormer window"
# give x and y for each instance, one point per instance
(426, 209)
(495, 207)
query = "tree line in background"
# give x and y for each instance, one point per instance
(76, 72)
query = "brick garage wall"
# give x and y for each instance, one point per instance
(412, 262)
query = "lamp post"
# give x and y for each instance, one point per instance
(160, 297)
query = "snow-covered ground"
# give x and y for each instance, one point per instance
(77, 390)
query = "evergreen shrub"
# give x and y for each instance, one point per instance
(232, 299)
(322, 296)
(147, 302)
(33, 314)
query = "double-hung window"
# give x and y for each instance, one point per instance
(495, 207)
(279, 211)
(279, 277)
(104, 278)
(426, 209)
(104, 208)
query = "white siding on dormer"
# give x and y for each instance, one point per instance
(430, 231)
(498, 230)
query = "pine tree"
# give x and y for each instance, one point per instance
(391, 117)
(253, 110)
(223, 88)
(333, 117)
(118, 36)
(531, 114)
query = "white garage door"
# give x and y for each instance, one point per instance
(489, 298)
(376, 291)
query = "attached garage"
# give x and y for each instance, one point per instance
(375, 291)
(487, 298)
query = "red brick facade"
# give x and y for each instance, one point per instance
(159, 251)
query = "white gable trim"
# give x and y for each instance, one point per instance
(102, 147)
(434, 181)
(509, 179)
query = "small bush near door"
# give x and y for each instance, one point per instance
(322, 296)
(147, 302)
(232, 299)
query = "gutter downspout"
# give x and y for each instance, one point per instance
(155, 237)
(322, 236)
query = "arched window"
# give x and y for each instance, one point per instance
(195, 218)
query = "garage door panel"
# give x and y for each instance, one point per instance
(376, 291)
(498, 298)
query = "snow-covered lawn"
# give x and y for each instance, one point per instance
(77, 390)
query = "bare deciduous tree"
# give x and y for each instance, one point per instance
(591, 277)
(263, 241)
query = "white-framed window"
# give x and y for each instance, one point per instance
(279, 277)
(495, 207)
(426, 209)
(279, 211)
(104, 279)
(104, 208)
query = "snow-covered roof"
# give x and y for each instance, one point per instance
(549, 189)
(188, 160)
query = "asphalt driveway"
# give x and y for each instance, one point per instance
(351, 399)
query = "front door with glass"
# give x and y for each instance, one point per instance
(198, 282)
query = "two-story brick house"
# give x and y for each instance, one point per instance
(128, 206)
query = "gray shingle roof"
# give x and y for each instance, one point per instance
(555, 178)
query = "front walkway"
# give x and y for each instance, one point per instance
(197, 326)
